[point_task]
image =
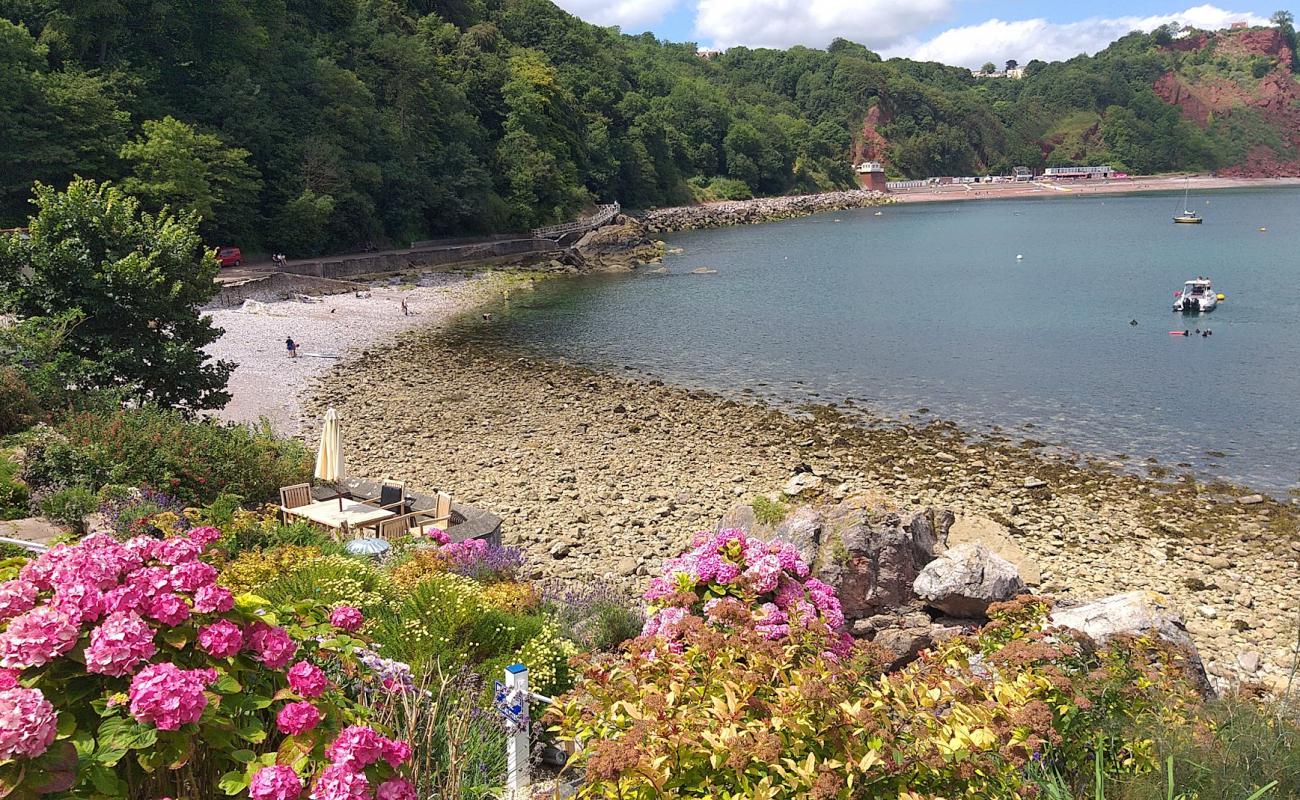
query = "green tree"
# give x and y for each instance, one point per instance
(138, 282)
(175, 166)
(989, 68)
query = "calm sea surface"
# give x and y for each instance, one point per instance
(928, 306)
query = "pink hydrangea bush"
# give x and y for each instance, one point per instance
(122, 661)
(730, 575)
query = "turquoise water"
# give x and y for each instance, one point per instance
(928, 306)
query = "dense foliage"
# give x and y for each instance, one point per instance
(309, 125)
(126, 671)
(193, 461)
(128, 286)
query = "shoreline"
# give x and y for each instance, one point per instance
(1002, 191)
(599, 475)
(335, 329)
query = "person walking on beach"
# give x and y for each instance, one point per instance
(291, 346)
(406, 312)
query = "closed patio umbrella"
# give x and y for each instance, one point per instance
(329, 459)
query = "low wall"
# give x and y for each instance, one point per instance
(275, 286)
(378, 264)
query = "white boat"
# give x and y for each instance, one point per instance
(1188, 217)
(1196, 297)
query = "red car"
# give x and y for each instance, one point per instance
(229, 256)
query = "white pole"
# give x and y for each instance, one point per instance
(518, 780)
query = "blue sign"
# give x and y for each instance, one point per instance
(509, 703)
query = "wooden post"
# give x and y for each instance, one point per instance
(518, 779)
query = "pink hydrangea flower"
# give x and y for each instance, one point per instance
(204, 535)
(169, 609)
(357, 747)
(307, 679)
(169, 697)
(346, 618)
(764, 574)
(296, 718)
(275, 783)
(341, 782)
(213, 599)
(177, 550)
(8, 679)
(221, 639)
(271, 645)
(35, 638)
(28, 723)
(16, 597)
(121, 642)
(396, 752)
(190, 576)
(128, 597)
(395, 789)
(439, 536)
(151, 581)
(81, 601)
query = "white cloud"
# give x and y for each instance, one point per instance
(633, 16)
(782, 23)
(998, 40)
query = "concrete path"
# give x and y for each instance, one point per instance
(33, 529)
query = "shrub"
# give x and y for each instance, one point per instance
(458, 752)
(131, 512)
(194, 462)
(246, 530)
(417, 565)
(19, 409)
(255, 569)
(735, 713)
(768, 511)
(596, 617)
(481, 560)
(14, 496)
(511, 596)
(138, 677)
(730, 570)
(444, 622)
(333, 580)
(68, 507)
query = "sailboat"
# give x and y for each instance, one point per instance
(1188, 217)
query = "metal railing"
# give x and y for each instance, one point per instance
(602, 216)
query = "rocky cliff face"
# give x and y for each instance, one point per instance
(1228, 83)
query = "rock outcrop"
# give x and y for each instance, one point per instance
(1136, 614)
(966, 579)
(750, 212)
(619, 246)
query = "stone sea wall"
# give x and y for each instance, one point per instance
(750, 212)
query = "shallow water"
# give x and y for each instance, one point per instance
(928, 306)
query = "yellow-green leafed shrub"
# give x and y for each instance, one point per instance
(734, 714)
(254, 569)
(447, 621)
(419, 565)
(332, 581)
(511, 596)
(547, 657)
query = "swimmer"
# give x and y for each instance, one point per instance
(1132, 322)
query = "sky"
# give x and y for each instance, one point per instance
(965, 33)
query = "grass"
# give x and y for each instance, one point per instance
(768, 511)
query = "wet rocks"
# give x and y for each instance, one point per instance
(749, 212)
(966, 579)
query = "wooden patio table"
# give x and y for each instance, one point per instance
(334, 513)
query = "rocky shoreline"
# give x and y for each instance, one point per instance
(599, 475)
(752, 212)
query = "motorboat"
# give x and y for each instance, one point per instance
(1196, 297)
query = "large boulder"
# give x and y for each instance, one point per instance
(1138, 613)
(873, 559)
(996, 537)
(965, 579)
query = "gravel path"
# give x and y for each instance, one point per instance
(267, 383)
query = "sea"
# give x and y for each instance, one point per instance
(1042, 318)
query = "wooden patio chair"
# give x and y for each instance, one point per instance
(292, 497)
(392, 496)
(437, 517)
(394, 528)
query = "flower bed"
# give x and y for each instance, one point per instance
(117, 659)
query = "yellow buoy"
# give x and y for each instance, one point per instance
(1221, 297)
(1261, 230)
